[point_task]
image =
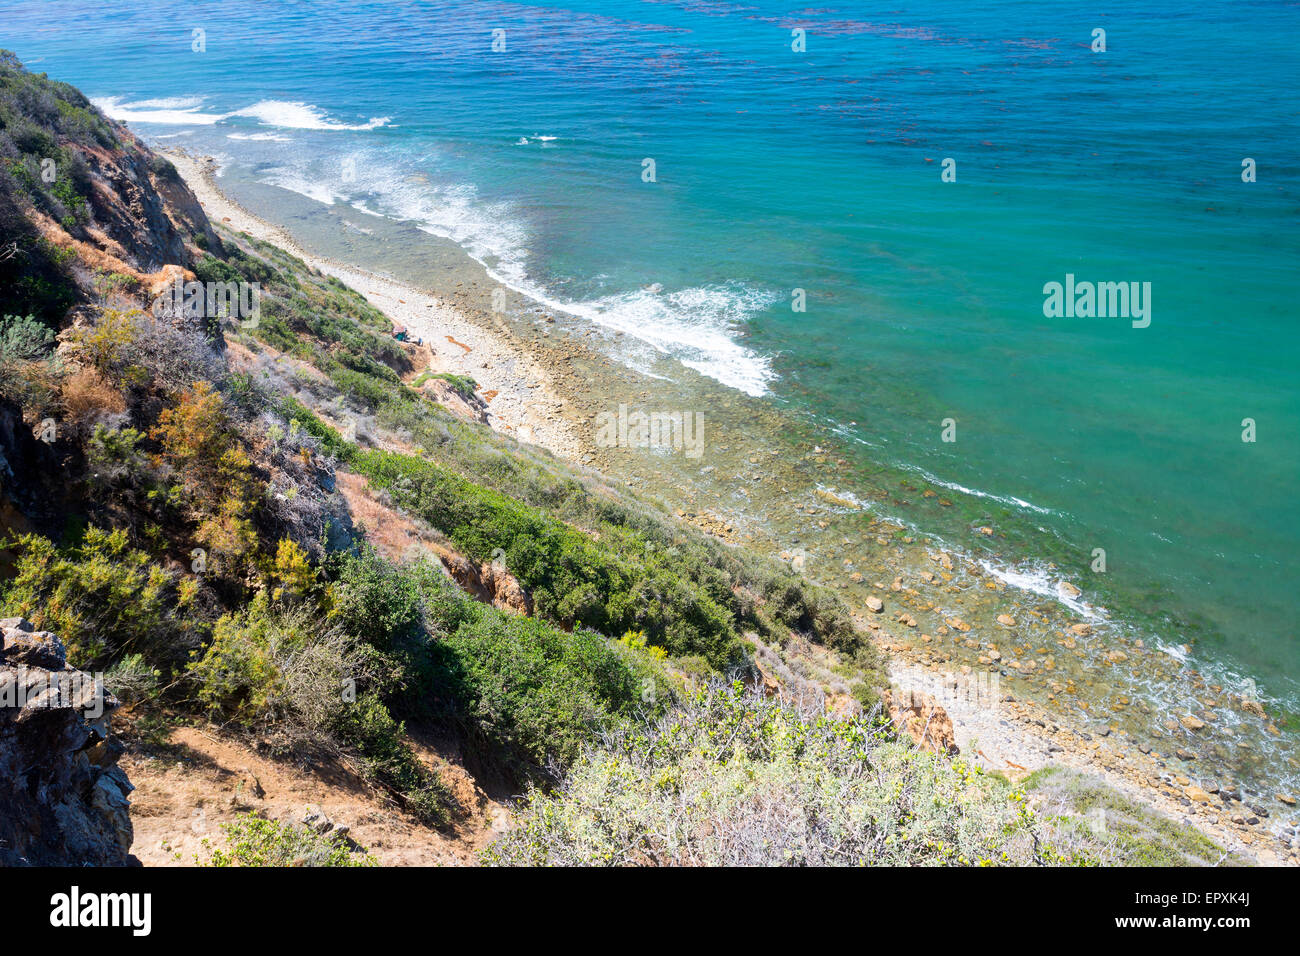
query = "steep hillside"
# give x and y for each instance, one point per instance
(249, 505)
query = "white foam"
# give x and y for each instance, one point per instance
(1040, 580)
(697, 326)
(260, 137)
(186, 111)
(167, 103)
(1006, 500)
(296, 115)
(148, 111)
(291, 179)
(852, 500)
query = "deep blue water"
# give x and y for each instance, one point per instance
(820, 171)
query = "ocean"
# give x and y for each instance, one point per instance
(852, 211)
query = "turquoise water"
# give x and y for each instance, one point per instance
(820, 171)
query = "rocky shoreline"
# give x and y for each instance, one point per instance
(522, 401)
(545, 386)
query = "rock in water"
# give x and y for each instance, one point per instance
(63, 799)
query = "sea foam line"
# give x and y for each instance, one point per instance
(1006, 500)
(186, 111)
(697, 325)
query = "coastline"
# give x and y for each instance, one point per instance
(526, 403)
(541, 400)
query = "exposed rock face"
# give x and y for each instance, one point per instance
(923, 720)
(507, 593)
(487, 582)
(141, 205)
(63, 799)
(21, 457)
(471, 408)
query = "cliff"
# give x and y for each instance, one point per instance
(63, 799)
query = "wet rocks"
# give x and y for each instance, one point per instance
(1252, 707)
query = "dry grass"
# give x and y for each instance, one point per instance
(88, 397)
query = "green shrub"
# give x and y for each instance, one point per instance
(132, 679)
(389, 761)
(731, 778)
(102, 597)
(573, 580)
(462, 385)
(277, 666)
(524, 695)
(30, 373)
(376, 600)
(23, 339)
(1100, 826)
(253, 841)
(528, 697)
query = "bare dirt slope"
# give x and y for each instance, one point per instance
(201, 776)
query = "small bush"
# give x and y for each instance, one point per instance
(88, 395)
(528, 697)
(277, 668)
(271, 664)
(102, 597)
(132, 679)
(23, 339)
(253, 841)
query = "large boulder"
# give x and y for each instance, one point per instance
(466, 405)
(63, 799)
(922, 719)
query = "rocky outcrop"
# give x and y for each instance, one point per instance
(63, 799)
(486, 582)
(467, 406)
(140, 204)
(923, 720)
(22, 456)
(506, 593)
